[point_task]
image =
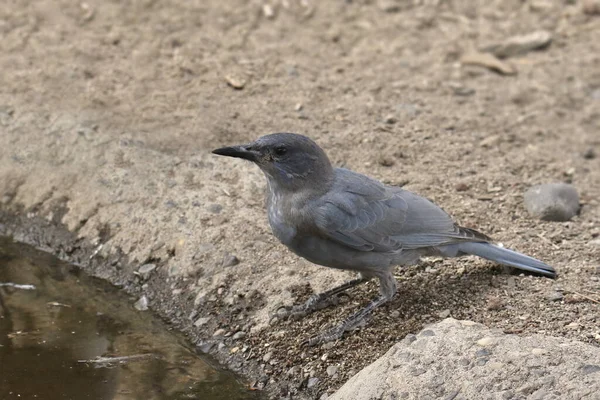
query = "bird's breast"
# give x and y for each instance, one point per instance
(281, 225)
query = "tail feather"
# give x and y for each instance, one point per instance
(504, 256)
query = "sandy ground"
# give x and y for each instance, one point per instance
(108, 111)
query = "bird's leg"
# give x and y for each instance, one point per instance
(316, 300)
(349, 323)
(388, 290)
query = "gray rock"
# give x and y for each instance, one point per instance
(141, 304)
(504, 373)
(239, 335)
(145, 270)
(206, 347)
(552, 201)
(332, 370)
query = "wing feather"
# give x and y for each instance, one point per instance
(366, 215)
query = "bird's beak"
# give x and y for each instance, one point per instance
(238, 152)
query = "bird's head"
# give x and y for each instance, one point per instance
(290, 161)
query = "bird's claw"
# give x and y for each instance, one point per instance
(334, 333)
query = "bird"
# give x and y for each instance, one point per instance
(338, 218)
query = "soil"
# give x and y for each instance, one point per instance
(108, 111)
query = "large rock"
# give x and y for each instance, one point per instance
(465, 360)
(552, 201)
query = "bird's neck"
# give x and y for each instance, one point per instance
(312, 185)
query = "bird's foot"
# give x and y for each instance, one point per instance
(296, 312)
(349, 323)
(334, 333)
(316, 301)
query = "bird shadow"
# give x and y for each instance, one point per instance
(424, 296)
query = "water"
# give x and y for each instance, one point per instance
(51, 337)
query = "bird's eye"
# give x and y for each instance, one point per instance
(280, 150)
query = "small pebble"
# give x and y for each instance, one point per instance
(490, 141)
(538, 351)
(444, 313)
(520, 44)
(239, 335)
(230, 260)
(141, 304)
(552, 201)
(495, 303)
(312, 382)
(390, 120)
(219, 332)
(295, 370)
(589, 153)
(145, 270)
(206, 347)
(386, 161)
(332, 370)
(555, 296)
(201, 321)
(486, 341)
(235, 81)
(268, 11)
(496, 365)
(461, 187)
(267, 357)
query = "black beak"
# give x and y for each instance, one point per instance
(238, 152)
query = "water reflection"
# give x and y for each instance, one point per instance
(51, 338)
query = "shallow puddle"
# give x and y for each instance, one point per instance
(64, 335)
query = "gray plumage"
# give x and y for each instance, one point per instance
(342, 219)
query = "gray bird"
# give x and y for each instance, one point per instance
(342, 219)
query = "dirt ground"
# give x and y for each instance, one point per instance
(108, 110)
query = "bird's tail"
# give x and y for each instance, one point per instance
(504, 256)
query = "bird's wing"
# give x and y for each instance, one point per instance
(364, 214)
